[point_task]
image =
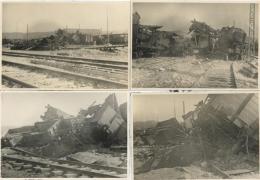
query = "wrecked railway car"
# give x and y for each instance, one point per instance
(227, 42)
(167, 132)
(219, 136)
(231, 119)
(60, 134)
(102, 123)
(149, 40)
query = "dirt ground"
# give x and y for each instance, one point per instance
(150, 163)
(42, 80)
(99, 156)
(8, 172)
(189, 172)
(180, 72)
(111, 159)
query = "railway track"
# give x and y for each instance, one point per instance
(220, 76)
(12, 82)
(68, 74)
(103, 63)
(50, 167)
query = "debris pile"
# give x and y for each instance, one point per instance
(64, 38)
(227, 43)
(219, 136)
(59, 134)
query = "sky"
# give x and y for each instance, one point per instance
(24, 108)
(160, 107)
(43, 17)
(177, 16)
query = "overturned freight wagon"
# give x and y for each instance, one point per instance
(231, 120)
(102, 123)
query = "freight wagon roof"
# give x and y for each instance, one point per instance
(230, 103)
(21, 129)
(44, 125)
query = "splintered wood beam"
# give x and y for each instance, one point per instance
(218, 171)
(241, 107)
(238, 171)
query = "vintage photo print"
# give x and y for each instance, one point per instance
(68, 45)
(64, 135)
(194, 45)
(196, 136)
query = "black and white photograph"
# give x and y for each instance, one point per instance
(64, 135)
(194, 45)
(69, 45)
(196, 136)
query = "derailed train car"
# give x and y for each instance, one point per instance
(103, 123)
(150, 40)
(225, 43)
(231, 120)
(228, 42)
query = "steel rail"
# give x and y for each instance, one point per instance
(73, 161)
(65, 73)
(16, 81)
(99, 61)
(58, 166)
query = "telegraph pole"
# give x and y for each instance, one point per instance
(183, 104)
(251, 32)
(107, 28)
(27, 36)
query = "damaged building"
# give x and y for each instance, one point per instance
(219, 138)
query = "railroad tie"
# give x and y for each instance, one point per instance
(57, 173)
(70, 175)
(27, 166)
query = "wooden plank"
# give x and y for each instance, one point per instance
(218, 171)
(238, 171)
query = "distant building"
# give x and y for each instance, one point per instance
(92, 32)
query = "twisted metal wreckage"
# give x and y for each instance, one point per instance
(222, 127)
(227, 42)
(60, 134)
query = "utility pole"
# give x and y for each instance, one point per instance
(183, 104)
(16, 30)
(251, 32)
(107, 28)
(174, 111)
(27, 36)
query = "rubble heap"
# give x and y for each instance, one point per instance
(203, 40)
(228, 42)
(60, 134)
(222, 128)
